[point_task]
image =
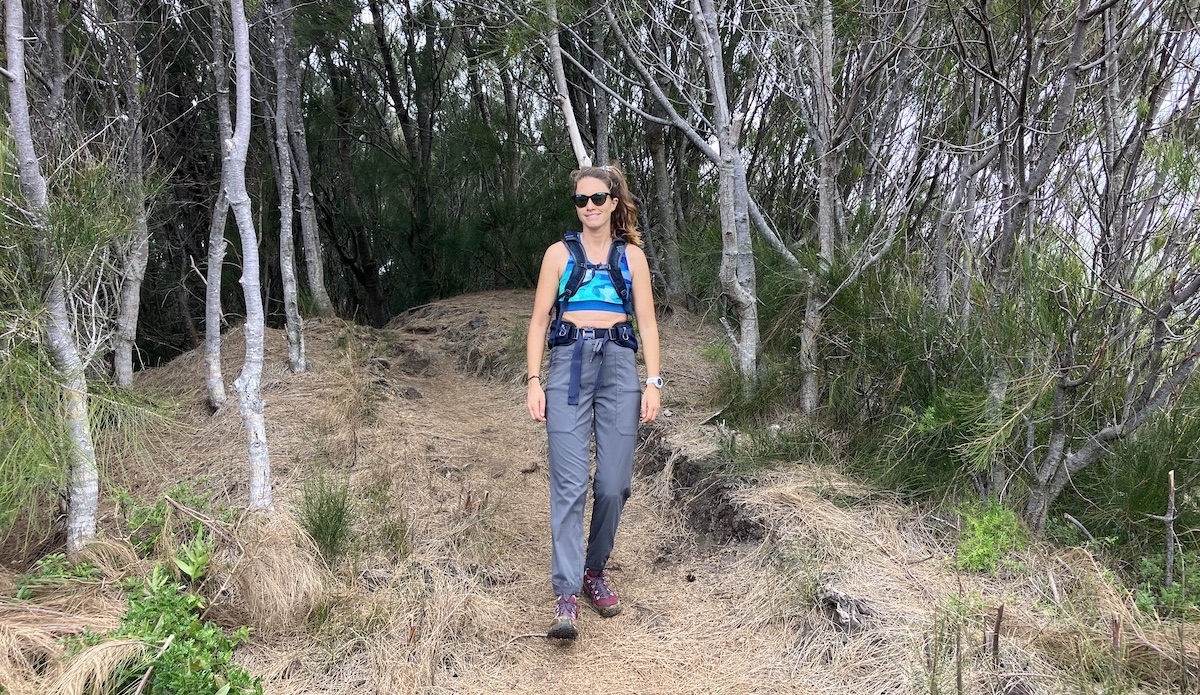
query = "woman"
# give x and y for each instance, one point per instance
(591, 386)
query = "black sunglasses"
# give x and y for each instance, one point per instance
(597, 199)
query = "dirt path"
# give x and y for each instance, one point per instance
(690, 624)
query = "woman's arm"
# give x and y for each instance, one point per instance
(553, 263)
(647, 323)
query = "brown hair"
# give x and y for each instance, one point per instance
(625, 216)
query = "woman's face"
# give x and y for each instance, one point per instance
(591, 215)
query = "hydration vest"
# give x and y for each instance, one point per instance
(561, 331)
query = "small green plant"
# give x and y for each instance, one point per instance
(54, 570)
(194, 557)
(989, 533)
(326, 515)
(187, 655)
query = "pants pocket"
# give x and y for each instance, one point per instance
(560, 417)
(628, 390)
(629, 414)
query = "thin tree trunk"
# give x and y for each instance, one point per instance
(248, 383)
(738, 280)
(822, 66)
(213, 315)
(668, 231)
(560, 88)
(314, 259)
(512, 132)
(603, 121)
(81, 454)
(137, 252)
(287, 250)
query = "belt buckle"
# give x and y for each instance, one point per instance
(587, 333)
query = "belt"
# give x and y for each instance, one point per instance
(615, 333)
(565, 333)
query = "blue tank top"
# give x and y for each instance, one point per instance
(596, 292)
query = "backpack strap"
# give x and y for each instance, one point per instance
(574, 246)
(615, 254)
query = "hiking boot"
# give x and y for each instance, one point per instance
(565, 615)
(603, 598)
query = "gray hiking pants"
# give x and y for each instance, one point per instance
(612, 412)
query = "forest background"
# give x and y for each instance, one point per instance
(954, 248)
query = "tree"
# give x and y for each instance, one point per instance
(213, 316)
(85, 481)
(560, 85)
(281, 17)
(125, 58)
(248, 383)
(287, 82)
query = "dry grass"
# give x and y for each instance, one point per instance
(445, 585)
(1059, 607)
(276, 581)
(92, 670)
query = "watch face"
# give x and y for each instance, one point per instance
(655, 381)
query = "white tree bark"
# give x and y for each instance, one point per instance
(137, 250)
(81, 454)
(821, 57)
(560, 86)
(738, 279)
(248, 383)
(283, 177)
(213, 316)
(314, 264)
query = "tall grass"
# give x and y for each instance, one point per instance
(327, 516)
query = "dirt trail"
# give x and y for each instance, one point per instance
(686, 624)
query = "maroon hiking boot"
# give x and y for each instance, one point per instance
(603, 598)
(565, 615)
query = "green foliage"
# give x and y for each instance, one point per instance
(151, 527)
(989, 533)
(31, 434)
(54, 570)
(199, 658)
(1116, 497)
(194, 557)
(1182, 599)
(326, 514)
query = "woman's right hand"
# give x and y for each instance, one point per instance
(535, 398)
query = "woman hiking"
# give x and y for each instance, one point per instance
(593, 282)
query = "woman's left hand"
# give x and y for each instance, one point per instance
(651, 403)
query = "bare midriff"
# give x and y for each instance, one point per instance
(594, 319)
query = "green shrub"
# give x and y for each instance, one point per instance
(326, 515)
(199, 658)
(147, 523)
(989, 532)
(1182, 599)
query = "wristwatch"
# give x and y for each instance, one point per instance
(655, 381)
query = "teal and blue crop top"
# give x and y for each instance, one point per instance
(596, 292)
